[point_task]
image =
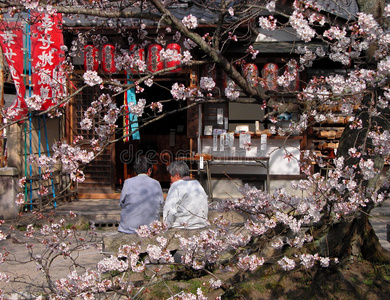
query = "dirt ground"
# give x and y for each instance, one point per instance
(359, 279)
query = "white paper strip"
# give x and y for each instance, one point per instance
(220, 116)
(263, 142)
(215, 142)
(222, 142)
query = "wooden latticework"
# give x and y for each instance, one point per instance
(99, 175)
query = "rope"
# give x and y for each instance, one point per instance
(39, 155)
(29, 94)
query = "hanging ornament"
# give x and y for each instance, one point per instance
(174, 62)
(91, 62)
(154, 59)
(108, 62)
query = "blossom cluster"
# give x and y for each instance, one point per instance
(207, 83)
(302, 27)
(231, 90)
(34, 102)
(252, 51)
(190, 22)
(92, 78)
(267, 23)
(181, 92)
(138, 108)
(250, 263)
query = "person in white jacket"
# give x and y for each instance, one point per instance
(186, 203)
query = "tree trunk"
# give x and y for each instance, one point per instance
(353, 236)
(351, 239)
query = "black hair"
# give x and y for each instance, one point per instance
(142, 165)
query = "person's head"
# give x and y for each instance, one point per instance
(178, 170)
(142, 165)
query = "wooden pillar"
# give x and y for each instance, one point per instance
(3, 161)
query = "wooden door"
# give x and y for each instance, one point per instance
(99, 174)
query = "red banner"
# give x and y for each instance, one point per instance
(11, 41)
(47, 57)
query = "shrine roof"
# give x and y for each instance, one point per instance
(345, 9)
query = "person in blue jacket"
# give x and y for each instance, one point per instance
(141, 198)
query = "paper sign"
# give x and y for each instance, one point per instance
(230, 139)
(208, 130)
(263, 142)
(222, 142)
(245, 140)
(215, 142)
(220, 116)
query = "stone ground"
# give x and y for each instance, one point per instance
(380, 220)
(106, 215)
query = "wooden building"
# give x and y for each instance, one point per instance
(212, 137)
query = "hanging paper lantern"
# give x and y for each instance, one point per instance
(251, 74)
(138, 54)
(176, 48)
(154, 59)
(292, 69)
(91, 62)
(108, 62)
(270, 75)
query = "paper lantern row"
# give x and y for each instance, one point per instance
(153, 61)
(269, 75)
(268, 79)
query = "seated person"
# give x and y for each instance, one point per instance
(186, 203)
(141, 198)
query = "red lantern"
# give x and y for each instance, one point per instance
(154, 59)
(91, 62)
(251, 74)
(176, 49)
(137, 53)
(270, 76)
(108, 62)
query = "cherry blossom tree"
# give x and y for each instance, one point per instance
(325, 226)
